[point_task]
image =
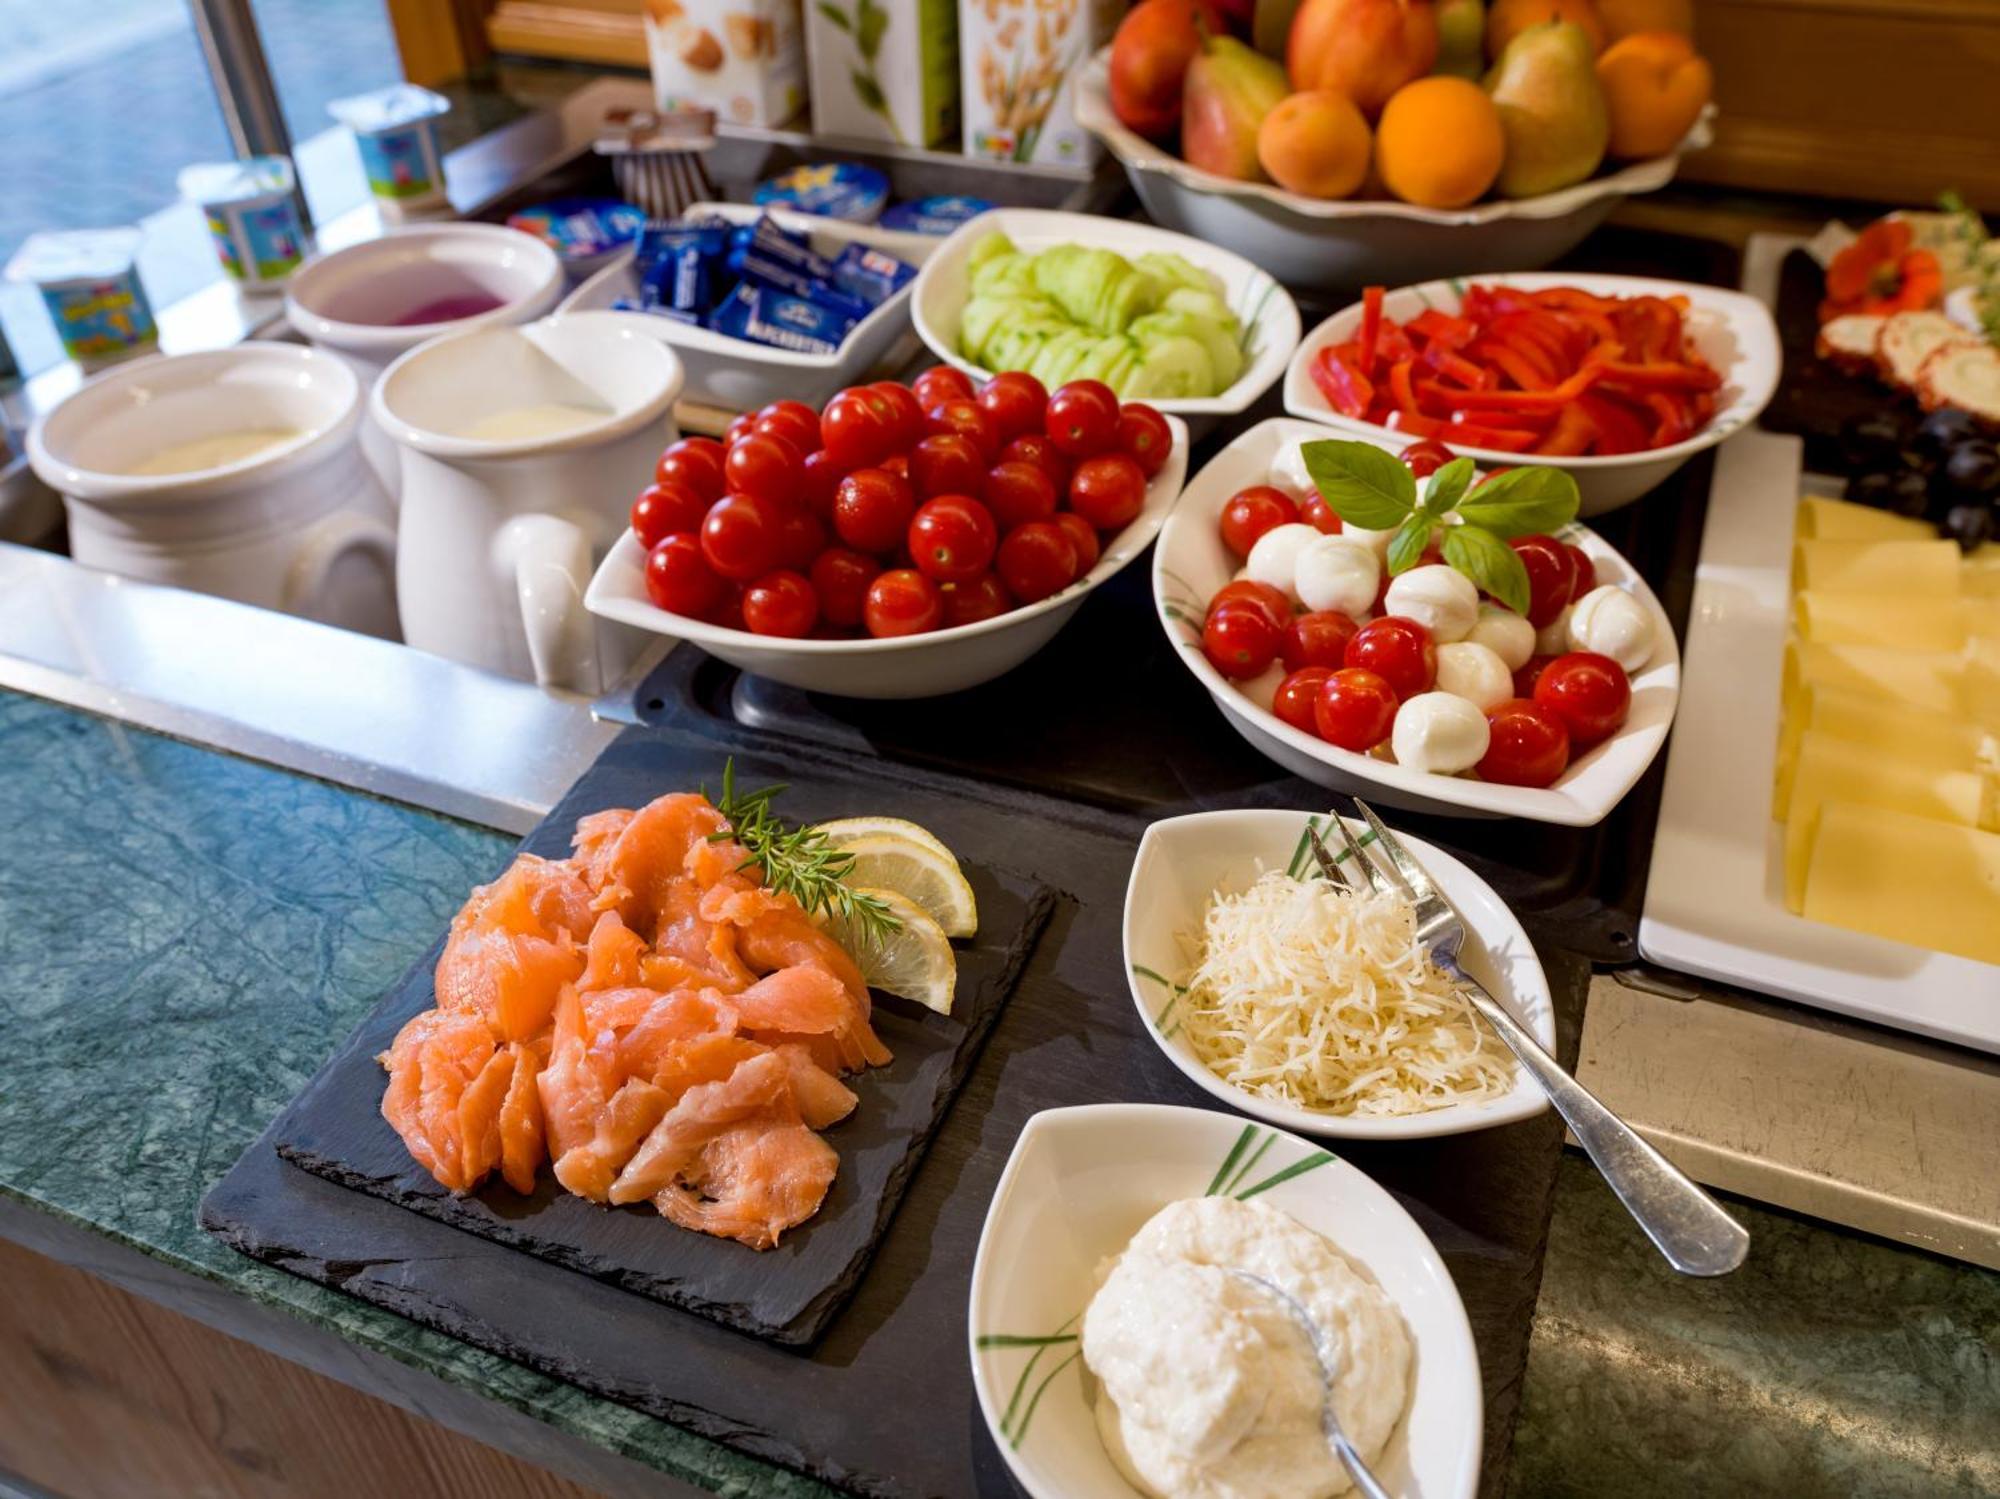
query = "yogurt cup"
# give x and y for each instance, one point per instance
(845, 190)
(251, 215)
(89, 281)
(396, 129)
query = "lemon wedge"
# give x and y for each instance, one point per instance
(915, 961)
(890, 854)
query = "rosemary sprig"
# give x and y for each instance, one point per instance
(796, 861)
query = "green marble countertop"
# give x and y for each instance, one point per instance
(185, 936)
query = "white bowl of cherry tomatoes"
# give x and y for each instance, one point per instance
(903, 541)
(1420, 689)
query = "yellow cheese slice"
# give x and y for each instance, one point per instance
(1891, 730)
(1911, 879)
(1980, 615)
(1830, 769)
(1980, 575)
(1838, 520)
(1929, 568)
(1893, 619)
(1933, 680)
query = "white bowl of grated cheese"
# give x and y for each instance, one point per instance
(1311, 1010)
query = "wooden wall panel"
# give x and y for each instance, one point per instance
(607, 31)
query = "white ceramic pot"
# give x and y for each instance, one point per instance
(301, 526)
(360, 301)
(500, 534)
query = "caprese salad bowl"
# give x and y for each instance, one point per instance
(1193, 563)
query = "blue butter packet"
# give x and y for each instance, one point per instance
(934, 215)
(772, 260)
(677, 266)
(762, 315)
(870, 275)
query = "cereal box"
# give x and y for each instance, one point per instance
(884, 69)
(1017, 58)
(744, 59)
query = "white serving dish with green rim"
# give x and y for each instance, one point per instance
(1081, 1181)
(1269, 316)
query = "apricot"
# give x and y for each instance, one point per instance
(1622, 18)
(1507, 19)
(1655, 88)
(1315, 143)
(1439, 142)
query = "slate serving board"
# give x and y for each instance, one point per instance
(335, 1129)
(883, 1404)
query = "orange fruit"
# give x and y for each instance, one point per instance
(1439, 142)
(1622, 18)
(1655, 87)
(1507, 19)
(1315, 143)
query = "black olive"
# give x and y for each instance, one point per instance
(1945, 428)
(1970, 525)
(1875, 489)
(1909, 493)
(1973, 467)
(1871, 441)
(1910, 460)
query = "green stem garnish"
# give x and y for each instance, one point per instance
(798, 862)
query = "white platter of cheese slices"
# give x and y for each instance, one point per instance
(1841, 668)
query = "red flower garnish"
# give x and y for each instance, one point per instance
(1879, 274)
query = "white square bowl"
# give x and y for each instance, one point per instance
(1734, 333)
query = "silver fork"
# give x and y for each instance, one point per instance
(1687, 1225)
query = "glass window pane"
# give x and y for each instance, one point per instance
(320, 50)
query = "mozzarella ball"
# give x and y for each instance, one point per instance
(1441, 599)
(1505, 633)
(1611, 622)
(1553, 638)
(1474, 672)
(1275, 557)
(1376, 541)
(1439, 732)
(1335, 573)
(1288, 472)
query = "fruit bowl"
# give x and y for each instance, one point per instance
(1734, 333)
(1190, 564)
(1341, 244)
(1269, 316)
(902, 667)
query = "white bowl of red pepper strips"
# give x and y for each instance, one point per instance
(1617, 380)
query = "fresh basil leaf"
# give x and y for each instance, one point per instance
(1365, 486)
(1523, 502)
(1406, 547)
(1489, 562)
(1447, 485)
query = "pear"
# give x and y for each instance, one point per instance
(1461, 38)
(1230, 88)
(1552, 109)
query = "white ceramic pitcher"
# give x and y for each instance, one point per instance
(499, 534)
(300, 526)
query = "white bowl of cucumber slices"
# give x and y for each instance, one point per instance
(1209, 320)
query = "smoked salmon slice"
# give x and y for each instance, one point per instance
(753, 1182)
(514, 945)
(613, 955)
(627, 1119)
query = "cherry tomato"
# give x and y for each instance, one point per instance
(1399, 651)
(946, 463)
(695, 462)
(984, 597)
(967, 419)
(1316, 513)
(1083, 537)
(1017, 493)
(1551, 576)
(854, 432)
(1253, 511)
(803, 536)
(897, 464)
(743, 536)
(767, 467)
(1015, 402)
(781, 603)
(1586, 571)
(1144, 436)
(1082, 419)
(1356, 709)
(1296, 696)
(663, 509)
(1588, 692)
(1529, 744)
(902, 602)
(872, 509)
(739, 429)
(819, 478)
(1425, 457)
(1239, 640)
(906, 417)
(1529, 674)
(1248, 590)
(952, 538)
(840, 576)
(1036, 448)
(794, 421)
(939, 384)
(1316, 639)
(1036, 560)
(1109, 491)
(729, 612)
(678, 577)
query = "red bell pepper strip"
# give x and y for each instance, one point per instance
(1465, 434)
(1371, 330)
(1517, 364)
(1619, 375)
(1402, 389)
(1571, 435)
(1552, 399)
(1415, 423)
(1620, 429)
(1441, 327)
(1456, 367)
(1346, 389)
